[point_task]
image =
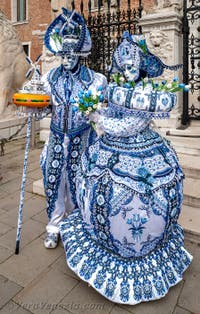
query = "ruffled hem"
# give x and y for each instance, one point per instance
(124, 280)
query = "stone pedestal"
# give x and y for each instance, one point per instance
(162, 30)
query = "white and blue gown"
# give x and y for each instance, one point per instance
(124, 238)
(58, 161)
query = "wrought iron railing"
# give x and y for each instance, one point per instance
(191, 60)
(106, 24)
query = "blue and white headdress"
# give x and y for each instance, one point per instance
(134, 48)
(68, 35)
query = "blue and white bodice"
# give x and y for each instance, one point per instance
(63, 86)
(131, 110)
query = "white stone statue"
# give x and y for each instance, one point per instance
(13, 64)
(168, 4)
(49, 60)
(160, 44)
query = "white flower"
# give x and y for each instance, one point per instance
(187, 86)
(89, 108)
(122, 79)
(75, 104)
(126, 72)
(95, 106)
(94, 96)
(98, 93)
(87, 112)
(146, 80)
(169, 85)
(99, 106)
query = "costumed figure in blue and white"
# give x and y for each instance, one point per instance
(124, 239)
(67, 36)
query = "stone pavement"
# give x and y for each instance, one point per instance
(38, 280)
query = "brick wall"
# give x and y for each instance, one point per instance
(147, 4)
(39, 16)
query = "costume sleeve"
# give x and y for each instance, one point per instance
(47, 89)
(46, 84)
(99, 80)
(143, 99)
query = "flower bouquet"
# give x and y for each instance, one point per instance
(171, 87)
(90, 103)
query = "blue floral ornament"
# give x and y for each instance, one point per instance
(143, 172)
(181, 85)
(80, 94)
(127, 85)
(74, 109)
(164, 82)
(175, 79)
(101, 98)
(100, 88)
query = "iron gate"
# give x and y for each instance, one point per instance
(106, 21)
(191, 60)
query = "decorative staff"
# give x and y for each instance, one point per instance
(34, 100)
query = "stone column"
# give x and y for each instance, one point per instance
(162, 29)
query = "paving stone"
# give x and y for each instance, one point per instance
(42, 217)
(14, 162)
(190, 297)
(3, 194)
(35, 165)
(8, 175)
(4, 228)
(31, 261)
(46, 291)
(118, 310)
(14, 185)
(84, 299)
(30, 231)
(2, 212)
(194, 250)
(179, 310)
(5, 253)
(60, 310)
(35, 174)
(8, 290)
(11, 201)
(189, 219)
(31, 208)
(165, 305)
(62, 266)
(13, 308)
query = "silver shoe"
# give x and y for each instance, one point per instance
(51, 240)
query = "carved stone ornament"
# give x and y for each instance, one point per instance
(175, 5)
(159, 44)
(49, 60)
